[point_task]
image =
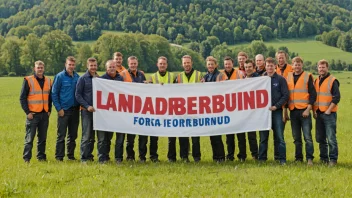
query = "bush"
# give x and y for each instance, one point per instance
(318, 38)
(12, 74)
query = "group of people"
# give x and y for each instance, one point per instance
(293, 91)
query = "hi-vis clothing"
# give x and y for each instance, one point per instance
(120, 70)
(38, 98)
(288, 69)
(127, 76)
(237, 74)
(299, 95)
(196, 77)
(168, 78)
(324, 96)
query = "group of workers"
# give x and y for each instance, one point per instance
(292, 89)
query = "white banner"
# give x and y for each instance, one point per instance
(182, 110)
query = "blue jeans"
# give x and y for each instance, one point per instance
(298, 124)
(326, 136)
(40, 121)
(278, 130)
(88, 139)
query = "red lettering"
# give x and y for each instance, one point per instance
(262, 98)
(137, 104)
(230, 104)
(161, 106)
(239, 100)
(110, 101)
(218, 103)
(177, 106)
(191, 103)
(148, 106)
(249, 101)
(204, 105)
(125, 104)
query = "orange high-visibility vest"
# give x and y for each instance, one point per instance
(127, 76)
(299, 96)
(38, 98)
(287, 70)
(121, 70)
(237, 74)
(324, 96)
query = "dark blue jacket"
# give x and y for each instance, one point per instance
(63, 90)
(118, 77)
(84, 90)
(211, 77)
(138, 78)
(279, 91)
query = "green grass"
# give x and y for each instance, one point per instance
(308, 49)
(206, 179)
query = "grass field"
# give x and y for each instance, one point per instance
(206, 179)
(309, 49)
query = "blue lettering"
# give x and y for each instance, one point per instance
(195, 122)
(147, 122)
(141, 121)
(182, 123)
(168, 123)
(174, 122)
(220, 120)
(227, 119)
(135, 119)
(207, 121)
(157, 123)
(201, 121)
(213, 121)
(188, 123)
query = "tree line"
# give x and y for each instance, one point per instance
(231, 21)
(17, 55)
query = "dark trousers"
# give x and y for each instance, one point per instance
(153, 148)
(278, 130)
(104, 143)
(218, 148)
(184, 148)
(39, 122)
(326, 136)
(68, 124)
(88, 136)
(300, 124)
(242, 147)
(120, 138)
(142, 146)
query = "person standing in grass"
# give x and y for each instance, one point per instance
(104, 137)
(216, 141)
(249, 67)
(301, 100)
(279, 96)
(189, 75)
(133, 75)
(162, 76)
(63, 96)
(36, 102)
(325, 113)
(84, 96)
(230, 73)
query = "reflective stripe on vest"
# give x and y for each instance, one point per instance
(38, 98)
(324, 96)
(235, 75)
(157, 78)
(287, 70)
(299, 96)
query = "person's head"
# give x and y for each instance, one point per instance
(39, 68)
(270, 65)
(132, 63)
(70, 64)
(228, 63)
(249, 67)
(162, 64)
(187, 63)
(297, 64)
(92, 65)
(111, 67)
(281, 57)
(241, 58)
(323, 67)
(118, 58)
(211, 64)
(259, 61)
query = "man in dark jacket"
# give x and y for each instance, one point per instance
(279, 96)
(84, 96)
(104, 137)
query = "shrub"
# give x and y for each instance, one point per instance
(12, 74)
